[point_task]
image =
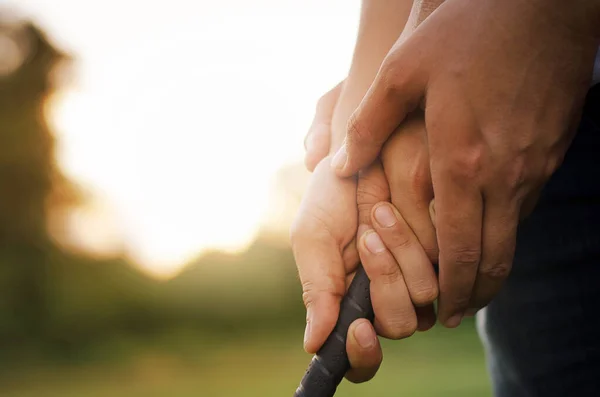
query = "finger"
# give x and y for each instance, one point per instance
(372, 188)
(458, 219)
(364, 351)
(530, 202)
(399, 239)
(317, 145)
(425, 317)
(456, 155)
(405, 159)
(500, 220)
(322, 274)
(318, 138)
(394, 311)
(396, 91)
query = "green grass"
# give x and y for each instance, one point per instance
(437, 363)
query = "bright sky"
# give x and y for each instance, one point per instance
(183, 110)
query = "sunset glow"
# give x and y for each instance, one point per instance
(176, 124)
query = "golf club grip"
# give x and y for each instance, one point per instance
(330, 364)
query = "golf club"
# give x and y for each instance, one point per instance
(330, 364)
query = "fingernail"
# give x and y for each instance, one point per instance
(339, 160)
(364, 335)
(374, 243)
(385, 216)
(454, 321)
(307, 329)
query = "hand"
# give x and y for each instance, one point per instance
(397, 260)
(318, 138)
(502, 92)
(324, 246)
(325, 249)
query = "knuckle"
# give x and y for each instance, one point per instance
(358, 132)
(466, 164)
(370, 193)
(389, 273)
(424, 294)
(311, 291)
(393, 76)
(460, 301)
(465, 256)
(402, 327)
(499, 271)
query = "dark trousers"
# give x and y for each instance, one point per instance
(542, 332)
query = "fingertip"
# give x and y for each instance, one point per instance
(426, 318)
(364, 351)
(320, 321)
(316, 145)
(339, 160)
(312, 159)
(371, 244)
(453, 321)
(363, 334)
(309, 162)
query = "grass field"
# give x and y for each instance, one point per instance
(438, 363)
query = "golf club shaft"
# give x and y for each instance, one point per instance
(330, 364)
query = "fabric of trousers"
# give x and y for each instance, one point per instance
(541, 333)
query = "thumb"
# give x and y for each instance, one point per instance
(364, 351)
(323, 278)
(395, 93)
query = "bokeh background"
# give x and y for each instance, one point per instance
(150, 166)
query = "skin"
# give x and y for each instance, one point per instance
(502, 94)
(335, 214)
(564, 66)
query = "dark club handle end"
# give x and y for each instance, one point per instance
(330, 364)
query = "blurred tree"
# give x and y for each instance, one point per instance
(52, 300)
(30, 180)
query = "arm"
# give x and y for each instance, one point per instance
(382, 22)
(323, 235)
(503, 92)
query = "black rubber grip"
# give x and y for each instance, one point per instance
(330, 364)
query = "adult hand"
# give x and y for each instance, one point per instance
(502, 92)
(318, 138)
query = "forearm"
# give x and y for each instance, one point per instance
(381, 24)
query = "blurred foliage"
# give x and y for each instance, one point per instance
(56, 302)
(228, 324)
